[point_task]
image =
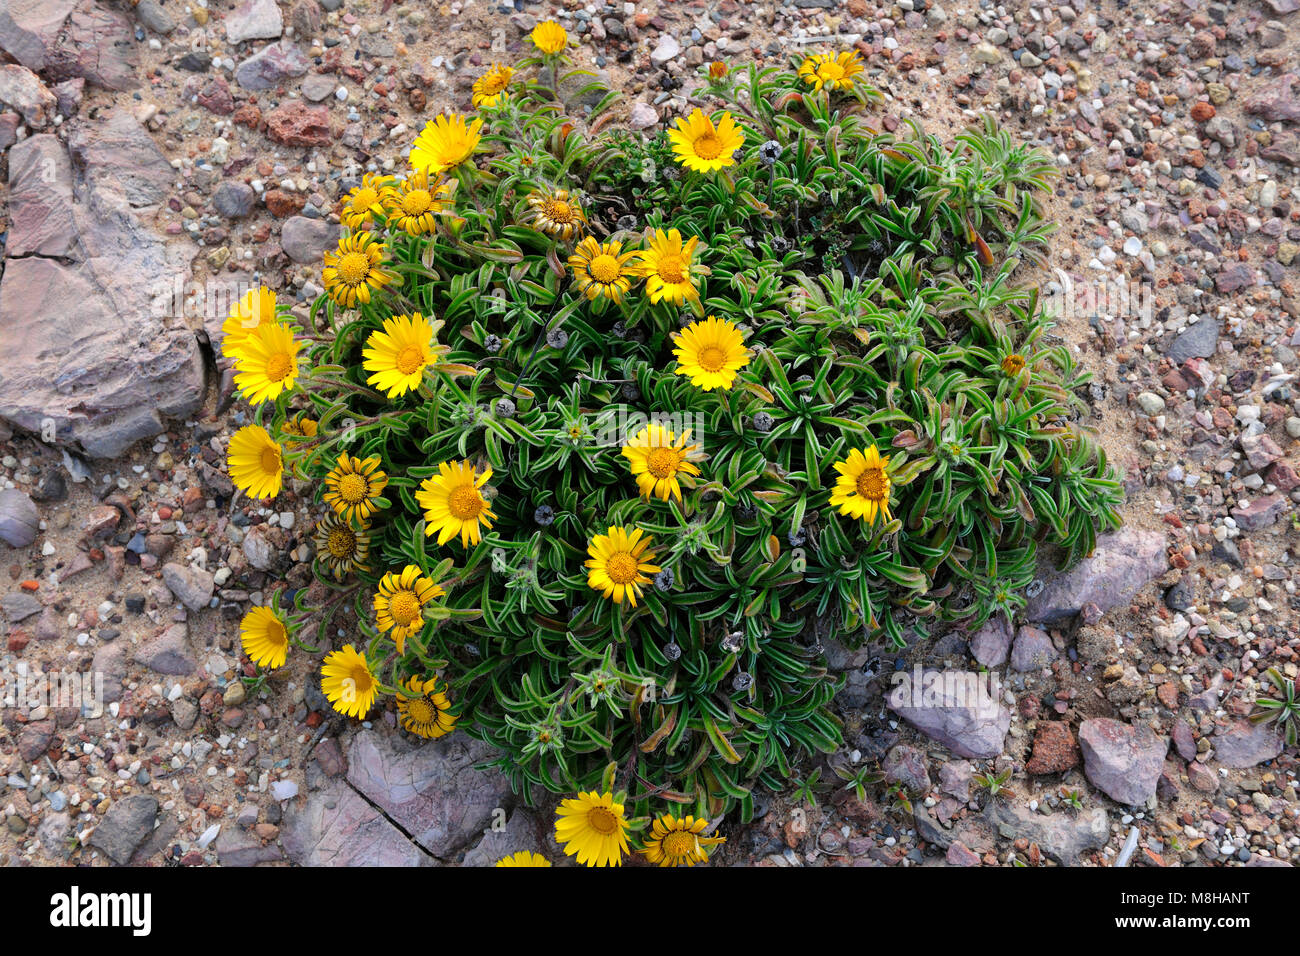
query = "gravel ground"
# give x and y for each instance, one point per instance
(1177, 132)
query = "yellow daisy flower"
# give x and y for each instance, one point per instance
(592, 827)
(549, 37)
(668, 269)
(711, 353)
(267, 364)
(264, 637)
(255, 309)
(661, 463)
(361, 204)
(493, 86)
(602, 271)
(676, 841)
(446, 141)
(618, 563)
(524, 858)
(454, 504)
(255, 462)
(426, 712)
(822, 70)
(557, 214)
(348, 683)
(352, 486)
(354, 269)
(398, 354)
(862, 489)
(412, 204)
(701, 146)
(400, 601)
(341, 547)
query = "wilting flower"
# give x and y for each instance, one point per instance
(862, 489)
(661, 462)
(549, 37)
(454, 504)
(267, 364)
(254, 309)
(361, 204)
(300, 426)
(426, 712)
(524, 858)
(400, 601)
(667, 267)
(676, 841)
(341, 547)
(701, 146)
(398, 354)
(592, 827)
(445, 142)
(832, 72)
(557, 214)
(717, 70)
(493, 86)
(602, 270)
(265, 637)
(255, 462)
(347, 682)
(354, 269)
(618, 565)
(711, 353)
(770, 152)
(352, 487)
(413, 203)
(1013, 365)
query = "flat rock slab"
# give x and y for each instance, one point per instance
(953, 708)
(126, 825)
(523, 831)
(97, 354)
(1121, 760)
(1119, 566)
(335, 826)
(1062, 836)
(1243, 744)
(431, 789)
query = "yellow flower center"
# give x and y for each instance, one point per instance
(830, 71)
(404, 607)
(276, 634)
(411, 360)
(679, 843)
(672, 269)
(575, 433)
(708, 146)
(465, 503)
(416, 202)
(421, 710)
(662, 462)
(354, 267)
(494, 83)
(353, 488)
(712, 359)
(604, 269)
(872, 484)
(341, 543)
(364, 199)
(271, 460)
(621, 567)
(362, 682)
(278, 367)
(558, 210)
(602, 820)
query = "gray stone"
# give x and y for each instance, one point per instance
(667, 49)
(906, 766)
(271, 66)
(240, 848)
(40, 182)
(127, 824)
(1120, 565)
(110, 660)
(429, 789)
(523, 831)
(1121, 760)
(1196, 341)
(318, 87)
(643, 116)
(1243, 744)
(990, 643)
(96, 44)
(19, 605)
(20, 522)
(336, 827)
(192, 586)
(1062, 836)
(1033, 650)
(152, 15)
(1261, 513)
(254, 20)
(952, 708)
(168, 653)
(306, 240)
(29, 29)
(233, 200)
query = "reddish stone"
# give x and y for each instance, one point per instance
(18, 640)
(1283, 474)
(961, 855)
(1168, 694)
(1055, 749)
(283, 204)
(1203, 111)
(216, 97)
(296, 124)
(249, 116)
